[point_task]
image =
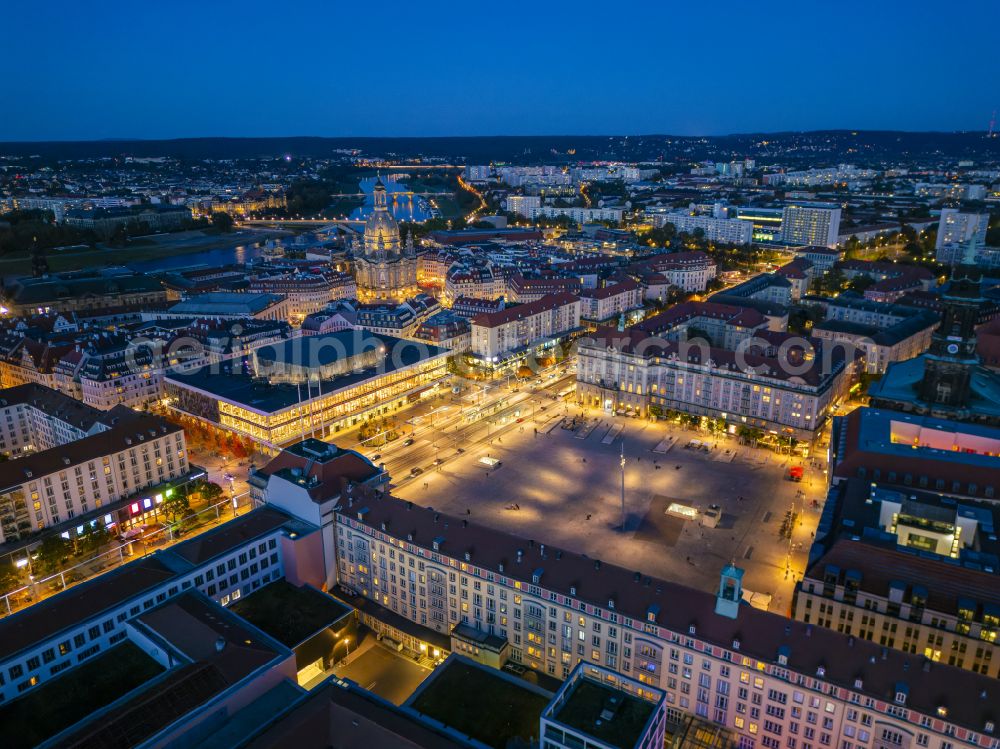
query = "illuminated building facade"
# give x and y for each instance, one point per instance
(384, 268)
(774, 682)
(315, 385)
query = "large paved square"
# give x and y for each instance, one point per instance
(564, 488)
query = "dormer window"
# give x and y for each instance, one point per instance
(900, 698)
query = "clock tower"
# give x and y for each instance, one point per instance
(951, 358)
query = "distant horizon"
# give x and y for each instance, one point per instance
(485, 136)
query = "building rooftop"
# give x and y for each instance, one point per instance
(521, 311)
(79, 603)
(879, 444)
(236, 533)
(113, 588)
(609, 715)
(58, 704)
(54, 403)
(341, 346)
(225, 303)
(341, 713)
(289, 614)
(880, 569)
(322, 467)
(133, 432)
(480, 702)
(901, 381)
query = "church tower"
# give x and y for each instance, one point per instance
(385, 269)
(951, 358)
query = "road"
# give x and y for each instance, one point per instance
(451, 427)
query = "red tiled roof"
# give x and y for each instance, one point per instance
(520, 311)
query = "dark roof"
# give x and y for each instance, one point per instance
(323, 475)
(520, 311)
(123, 436)
(230, 535)
(686, 610)
(79, 603)
(53, 403)
(341, 713)
(945, 583)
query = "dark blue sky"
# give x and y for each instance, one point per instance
(77, 70)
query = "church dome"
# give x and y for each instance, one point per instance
(381, 222)
(381, 229)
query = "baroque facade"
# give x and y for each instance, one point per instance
(385, 268)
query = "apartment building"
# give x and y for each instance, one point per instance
(808, 225)
(59, 633)
(608, 302)
(637, 372)
(522, 289)
(82, 290)
(959, 231)
(907, 337)
(771, 680)
(46, 488)
(35, 418)
(524, 205)
(898, 599)
(724, 230)
(688, 271)
(501, 335)
(580, 215)
(473, 279)
(306, 293)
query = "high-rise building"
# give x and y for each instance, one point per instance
(958, 232)
(808, 225)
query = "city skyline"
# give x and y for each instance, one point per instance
(429, 71)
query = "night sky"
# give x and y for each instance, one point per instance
(77, 70)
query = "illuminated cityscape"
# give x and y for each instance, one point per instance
(343, 404)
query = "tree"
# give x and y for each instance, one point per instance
(51, 553)
(177, 505)
(93, 538)
(209, 492)
(10, 577)
(222, 221)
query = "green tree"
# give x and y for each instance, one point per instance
(177, 505)
(10, 577)
(209, 491)
(52, 554)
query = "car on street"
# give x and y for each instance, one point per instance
(416, 471)
(376, 456)
(408, 441)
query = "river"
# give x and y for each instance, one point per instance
(204, 259)
(404, 209)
